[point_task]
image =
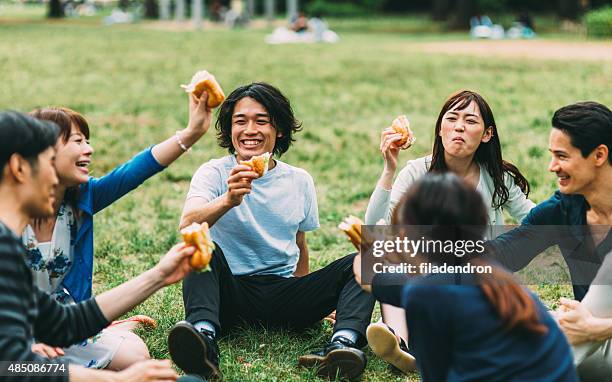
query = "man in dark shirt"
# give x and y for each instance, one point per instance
(578, 216)
(578, 219)
(27, 183)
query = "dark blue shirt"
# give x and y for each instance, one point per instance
(456, 335)
(560, 220)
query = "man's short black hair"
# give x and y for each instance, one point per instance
(588, 124)
(24, 135)
(275, 103)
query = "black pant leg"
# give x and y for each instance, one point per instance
(203, 292)
(305, 300)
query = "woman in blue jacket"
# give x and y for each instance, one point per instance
(480, 326)
(60, 249)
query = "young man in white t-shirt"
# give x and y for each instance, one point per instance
(259, 269)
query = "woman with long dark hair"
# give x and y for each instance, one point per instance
(466, 326)
(467, 144)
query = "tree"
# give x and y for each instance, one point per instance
(464, 10)
(440, 9)
(56, 9)
(569, 9)
(151, 9)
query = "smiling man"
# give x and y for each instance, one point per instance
(259, 269)
(578, 216)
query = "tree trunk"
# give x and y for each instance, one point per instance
(179, 10)
(151, 9)
(196, 13)
(164, 9)
(292, 9)
(251, 8)
(56, 10)
(440, 9)
(270, 6)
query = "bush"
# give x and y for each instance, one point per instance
(599, 22)
(327, 8)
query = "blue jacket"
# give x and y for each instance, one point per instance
(94, 196)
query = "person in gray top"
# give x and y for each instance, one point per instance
(466, 143)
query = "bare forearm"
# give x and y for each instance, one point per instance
(303, 266)
(601, 329)
(123, 298)
(169, 150)
(208, 212)
(82, 374)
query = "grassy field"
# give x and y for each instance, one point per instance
(126, 82)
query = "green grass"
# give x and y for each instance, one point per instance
(125, 80)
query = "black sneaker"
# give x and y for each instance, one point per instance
(339, 358)
(193, 351)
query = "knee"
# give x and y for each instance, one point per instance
(132, 350)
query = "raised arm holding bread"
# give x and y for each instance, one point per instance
(393, 139)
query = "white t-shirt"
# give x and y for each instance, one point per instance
(259, 235)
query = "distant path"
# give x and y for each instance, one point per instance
(532, 49)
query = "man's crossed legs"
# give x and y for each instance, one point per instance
(218, 300)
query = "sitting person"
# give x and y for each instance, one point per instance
(580, 216)
(60, 247)
(587, 325)
(300, 23)
(27, 191)
(260, 271)
(466, 326)
(467, 143)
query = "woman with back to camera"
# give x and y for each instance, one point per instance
(467, 326)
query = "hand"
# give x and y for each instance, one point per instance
(389, 150)
(174, 265)
(357, 272)
(331, 318)
(150, 370)
(200, 115)
(239, 184)
(576, 321)
(47, 351)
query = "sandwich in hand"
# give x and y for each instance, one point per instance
(203, 81)
(352, 227)
(259, 163)
(401, 125)
(198, 235)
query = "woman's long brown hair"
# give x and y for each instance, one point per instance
(451, 210)
(488, 154)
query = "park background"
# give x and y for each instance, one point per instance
(393, 57)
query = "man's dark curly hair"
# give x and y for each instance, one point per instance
(277, 106)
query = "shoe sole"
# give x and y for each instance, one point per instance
(344, 363)
(188, 351)
(385, 345)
